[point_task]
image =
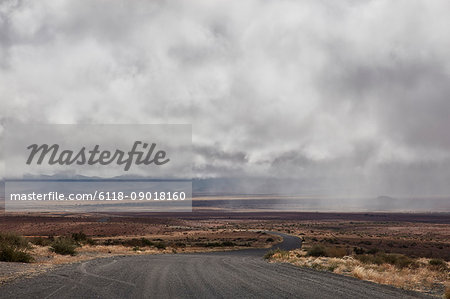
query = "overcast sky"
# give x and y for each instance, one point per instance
(355, 94)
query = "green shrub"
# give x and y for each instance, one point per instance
(438, 263)
(316, 251)
(142, 242)
(10, 239)
(359, 250)
(370, 259)
(13, 248)
(91, 241)
(398, 260)
(180, 244)
(12, 254)
(64, 246)
(331, 240)
(373, 251)
(160, 245)
(79, 237)
(146, 242)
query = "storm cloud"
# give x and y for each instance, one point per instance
(351, 96)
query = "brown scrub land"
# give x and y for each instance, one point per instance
(363, 245)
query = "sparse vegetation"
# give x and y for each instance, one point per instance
(398, 260)
(269, 254)
(135, 242)
(180, 244)
(138, 243)
(374, 236)
(81, 239)
(438, 264)
(316, 250)
(13, 248)
(216, 244)
(387, 268)
(64, 246)
(10, 239)
(282, 253)
(160, 245)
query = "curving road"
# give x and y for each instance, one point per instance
(232, 274)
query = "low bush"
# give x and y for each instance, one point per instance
(208, 244)
(110, 242)
(64, 246)
(180, 244)
(11, 254)
(370, 259)
(146, 242)
(316, 251)
(359, 250)
(217, 244)
(91, 241)
(331, 240)
(438, 264)
(10, 239)
(373, 251)
(13, 248)
(79, 237)
(335, 251)
(160, 245)
(142, 242)
(398, 260)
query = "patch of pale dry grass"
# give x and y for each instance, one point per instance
(422, 277)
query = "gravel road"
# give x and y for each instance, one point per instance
(232, 274)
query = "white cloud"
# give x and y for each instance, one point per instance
(347, 86)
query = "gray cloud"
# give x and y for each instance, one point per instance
(353, 94)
